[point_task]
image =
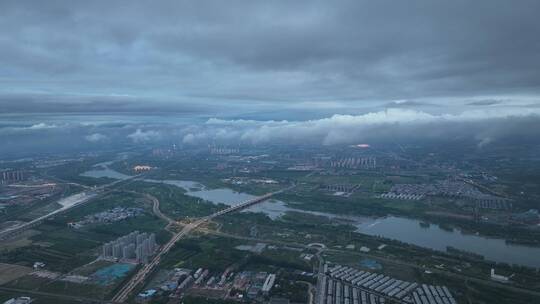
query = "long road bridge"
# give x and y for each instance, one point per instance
(141, 275)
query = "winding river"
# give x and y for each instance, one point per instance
(392, 227)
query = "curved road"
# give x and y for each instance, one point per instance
(141, 275)
(458, 276)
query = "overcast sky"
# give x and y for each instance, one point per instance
(197, 56)
(328, 72)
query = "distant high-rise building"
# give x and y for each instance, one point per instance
(139, 253)
(117, 251)
(146, 246)
(140, 238)
(152, 239)
(11, 176)
(355, 163)
(107, 249)
(134, 245)
(224, 151)
(128, 252)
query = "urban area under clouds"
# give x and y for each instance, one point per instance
(269, 152)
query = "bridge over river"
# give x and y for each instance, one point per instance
(141, 275)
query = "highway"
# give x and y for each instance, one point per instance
(156, 210)
(141, 275)
(74, 200)
(66, 203)
(320, 293)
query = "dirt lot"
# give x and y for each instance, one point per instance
(9, 272)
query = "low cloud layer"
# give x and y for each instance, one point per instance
(141, 136)
(392, 124)
(482, 127)
(96, 138)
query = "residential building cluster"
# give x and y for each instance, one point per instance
(109, 216)
(134, 246)
(224, 151)
(343, 284)
(448, 188)
(11, 176)
(355, 163)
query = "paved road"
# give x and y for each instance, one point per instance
(155, 207)
(311, 291)
(390, 261)
(156, 210)
(78, 200)
(320, 294)
(444, 272)
(141, 275)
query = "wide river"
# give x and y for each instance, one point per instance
(392, 227)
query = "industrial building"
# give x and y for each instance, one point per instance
(138, 246)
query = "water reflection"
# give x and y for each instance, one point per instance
(410, 231)
(397, 228)
(102, 170)
(402, 229)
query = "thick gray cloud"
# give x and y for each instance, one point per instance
(197, 56)
(483, 126)
(96, 137)
(140, 136)
(24, 134)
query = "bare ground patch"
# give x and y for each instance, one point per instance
(9, 272)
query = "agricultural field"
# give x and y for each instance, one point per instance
(63, 248)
